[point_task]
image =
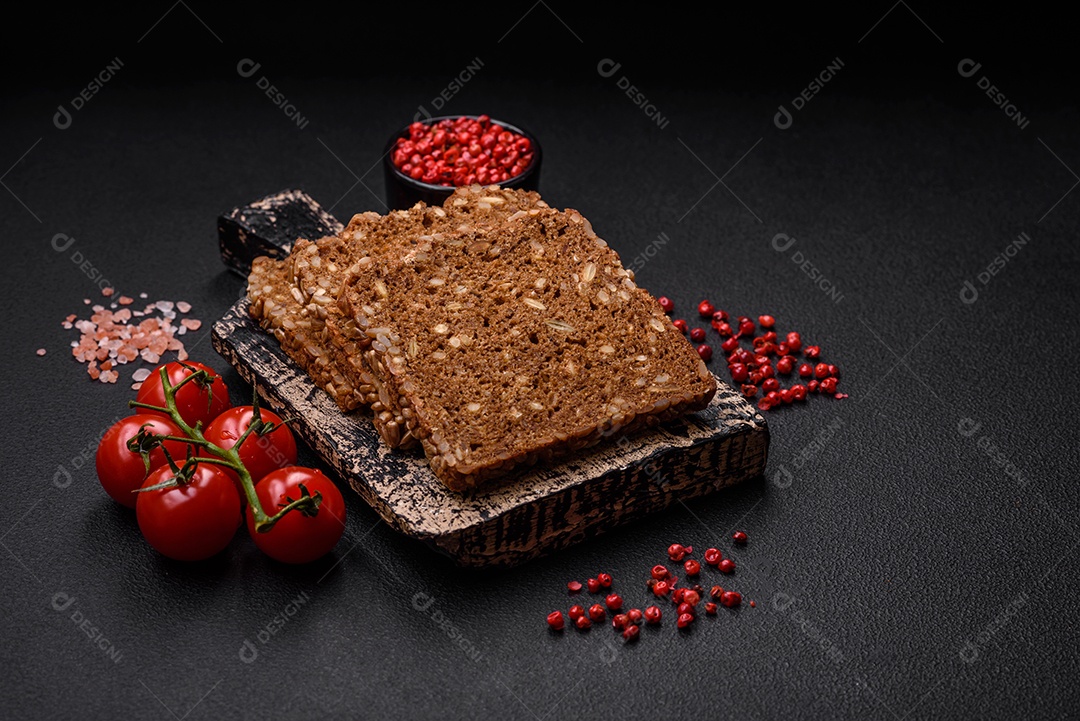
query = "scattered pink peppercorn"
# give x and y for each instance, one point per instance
(604, 579)
(705, 352)
(705, 309)
(555, 620)
(596, 612)
(739, 537)
(710, 608)
(659, 572)
(594, 585)
(770, 384)
(653, 614)
(729, 345)
(681, 325)
(727, 566)
(620, 621)
(785, 365)
(730, 599)
(692, 597)
(692, 567)
(635, 615)
(613, 601)
(575, 612)
(716, 592)
(631, 633)
(720, 316)
(574, 586)
(713, 556)
(676, 552)
(828, 385)
(813, 352)
(661, 588)
(666, 303)
(583, 622)
(684, 620)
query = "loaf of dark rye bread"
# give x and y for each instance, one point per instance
(291, 298)
(518, 344)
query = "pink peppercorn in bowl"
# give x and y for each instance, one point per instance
(508, 156)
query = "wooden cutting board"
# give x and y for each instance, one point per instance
(537, 510)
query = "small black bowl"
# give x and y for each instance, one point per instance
(404, 192)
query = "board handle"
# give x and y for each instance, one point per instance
(270, 226)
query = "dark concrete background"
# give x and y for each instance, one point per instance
(911, 548)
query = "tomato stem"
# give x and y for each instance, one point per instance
(228, 457)
(137, 404)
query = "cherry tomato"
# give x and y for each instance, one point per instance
(190, 522)
(260, 454)
(120, 471)
(297, 538)
(191, 400)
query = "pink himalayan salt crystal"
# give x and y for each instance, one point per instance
(108, 337)
(107, 292)
(40, 351)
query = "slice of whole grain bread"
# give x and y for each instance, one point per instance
(517, 343)
(277, 304)
(300, 289)
(369, 235)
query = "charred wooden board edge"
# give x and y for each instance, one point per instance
(544, 509)
(600, 504)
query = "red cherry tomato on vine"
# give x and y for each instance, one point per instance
(259, 454)
(120, 471)
(194, 402)
(190, 522)
(297, 538)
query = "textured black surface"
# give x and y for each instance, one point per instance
(898, 533)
